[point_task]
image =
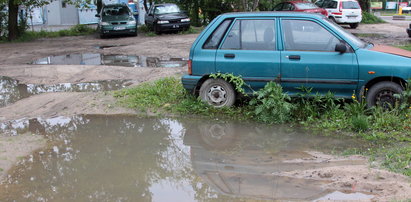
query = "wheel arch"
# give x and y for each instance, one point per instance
(202, 80)
(374, 81)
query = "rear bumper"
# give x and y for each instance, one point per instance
(173, 26)
(190, 82)
(347, 20)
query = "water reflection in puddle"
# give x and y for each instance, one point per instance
(11, 90)
(99, 158)
(113, 60)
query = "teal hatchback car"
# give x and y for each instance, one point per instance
(295, 50)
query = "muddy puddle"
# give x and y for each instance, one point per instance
(107, 158)
(11, 90)
(112, 60)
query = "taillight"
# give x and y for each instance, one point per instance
(341, 6)
(325, 13)
(190, 67)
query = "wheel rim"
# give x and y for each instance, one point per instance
(216, 95)
(386, 99)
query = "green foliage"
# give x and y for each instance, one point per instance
(369, 18)
(236, 81)
(76, 30)
(272, 105)
(398, 159)
(359, 122)
(406, 47)
(143, 29)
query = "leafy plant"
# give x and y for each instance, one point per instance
(359, 122)
(236, 81)
(369, 18)
(271, 105)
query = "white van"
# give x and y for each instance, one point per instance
(342, 11)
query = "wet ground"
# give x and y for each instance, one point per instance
(122, 158)
(111, 60)
(12, 91)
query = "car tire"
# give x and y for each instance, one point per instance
(156, 30)
(382, 94)
(354, 25)
(217, 93)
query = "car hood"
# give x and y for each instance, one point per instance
(116, 18)
(173, 16)
(391, 50)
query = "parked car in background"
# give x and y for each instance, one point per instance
(295, 50)
(406, 9)
(342, 11)
(409, 31)
(300, 6)
(116, 19)
(166, 17)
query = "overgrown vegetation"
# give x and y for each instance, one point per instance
(270, 105)
(406, 47)
(76, 30)
(192, 30)
(369, 18)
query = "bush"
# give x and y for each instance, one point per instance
(369, 18)
(272, 105)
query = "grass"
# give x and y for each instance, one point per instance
(386, 130)
(77, 30)
(406, 47)
(369, 18)
(192, 30)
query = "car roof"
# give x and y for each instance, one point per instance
(273, 14)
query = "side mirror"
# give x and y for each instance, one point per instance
(97, 15)
(341, 48)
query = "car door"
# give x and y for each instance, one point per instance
(309, 59)
(249, 49)
(149, 18)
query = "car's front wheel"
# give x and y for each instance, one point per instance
(218, 93)
(382, 94)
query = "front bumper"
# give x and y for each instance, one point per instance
(173, 26)
(190, 82)
(118, 29)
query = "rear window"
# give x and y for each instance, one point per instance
(350, 5)
(215, 38)
(306, 6)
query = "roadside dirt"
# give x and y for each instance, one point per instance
(15, 59)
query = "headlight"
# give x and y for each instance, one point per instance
(185, 20)
(131, 22)
(104, 23)
(162, 22)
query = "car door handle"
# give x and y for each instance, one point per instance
(228, 55)
(294, 57)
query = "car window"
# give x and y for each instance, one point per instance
(115, 11)
(214, 39)
(306, 5)
(166, 9)
(278, 7)
(251, 35)
(288, 7)
(350, 5)
(319, 3)
(303, 35)
(331, 4)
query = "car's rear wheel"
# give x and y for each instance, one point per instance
(382, 94)
(354, 25)
(218, 93)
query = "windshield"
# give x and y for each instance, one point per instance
(304, 6)
(350, 5)
(115, 11)
(166, 9)
(358, 42)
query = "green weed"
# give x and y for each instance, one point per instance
(369, 18)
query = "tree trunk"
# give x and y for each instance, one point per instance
(255, 5)
(13, 23)
(145, 6)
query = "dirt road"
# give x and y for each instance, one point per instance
(16, 59)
